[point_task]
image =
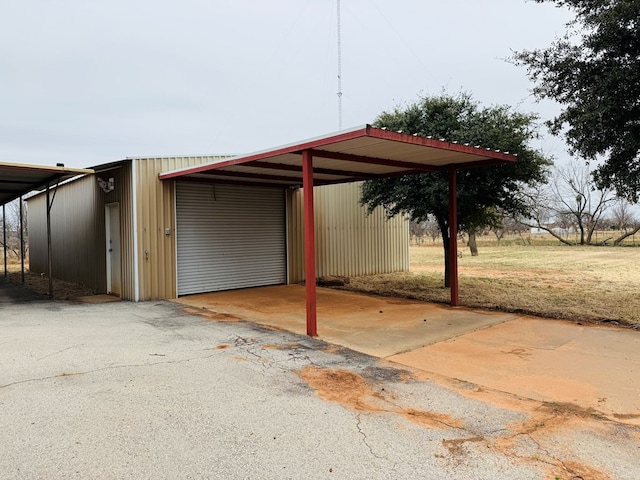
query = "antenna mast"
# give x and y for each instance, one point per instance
(339, 72)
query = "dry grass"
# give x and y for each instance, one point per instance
(40, 283)
(595, 284)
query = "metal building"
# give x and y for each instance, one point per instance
(126, 232)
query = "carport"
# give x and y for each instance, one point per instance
(354, 155)
(16, 180)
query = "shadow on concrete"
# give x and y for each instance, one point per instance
(11, 293)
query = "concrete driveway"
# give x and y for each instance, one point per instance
(549, 360)
(149, 390)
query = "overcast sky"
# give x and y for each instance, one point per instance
(87, 82)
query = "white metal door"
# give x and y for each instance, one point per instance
(229, 237)
(112, 224)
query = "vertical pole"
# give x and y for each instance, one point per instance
(49, 273)
(309, 243)
(453, 238)
(21, 242)
(4, 237)
(339, 70)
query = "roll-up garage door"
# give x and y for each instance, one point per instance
(229, 237)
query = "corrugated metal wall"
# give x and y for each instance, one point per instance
(78, 235)
(155, 212)
(348, 241)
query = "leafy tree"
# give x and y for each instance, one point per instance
(594, 72)
(481, 191)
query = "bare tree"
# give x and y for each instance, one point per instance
(426, 227)
(508, 225)
(13, 228)
(624, 220)
(542, 214)
(570, 201)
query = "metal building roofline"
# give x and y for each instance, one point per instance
(17, 179)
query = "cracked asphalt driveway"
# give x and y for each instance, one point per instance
(147, 390)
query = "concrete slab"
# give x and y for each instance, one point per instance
(591, 366)
(550, 360)
(10, 293)
(379, 326)
(97, 299)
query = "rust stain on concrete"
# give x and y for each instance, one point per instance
(353, 392)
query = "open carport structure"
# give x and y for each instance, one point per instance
(16, 180)
(348, 156)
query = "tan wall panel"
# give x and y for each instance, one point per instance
(348, 241)
(155, 212)
(78, 235)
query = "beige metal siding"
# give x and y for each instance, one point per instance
(155, 210)
(348, 241)
(78, 235)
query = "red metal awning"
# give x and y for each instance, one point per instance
(360, 154)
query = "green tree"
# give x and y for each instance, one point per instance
(593, 71)
(481, 191)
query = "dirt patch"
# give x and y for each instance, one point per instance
(456, 445)
(353, 392)
(569, 410)
(282, 346)
(96, 299)
(431, 419)
(578, 471)
(626, 416)
(223, 347)
(39, 283)
(333, 349)
(208, 314)
(341, 386)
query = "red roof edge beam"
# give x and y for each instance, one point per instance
(453, 237)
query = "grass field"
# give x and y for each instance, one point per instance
(593, 284)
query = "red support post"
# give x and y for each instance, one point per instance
(309, 243)
(453, 237)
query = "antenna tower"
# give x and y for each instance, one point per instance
(339, 71)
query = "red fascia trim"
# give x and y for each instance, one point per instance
(440, 144)
(291, 149)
